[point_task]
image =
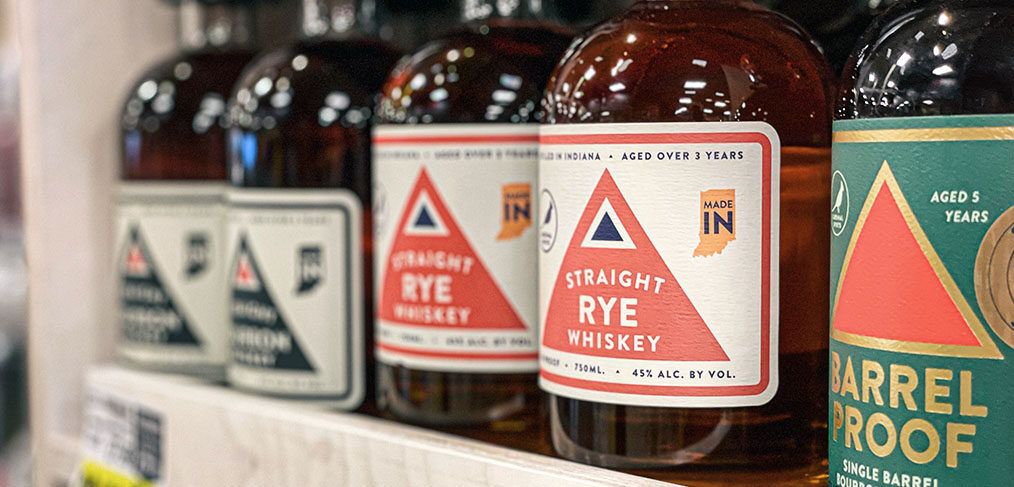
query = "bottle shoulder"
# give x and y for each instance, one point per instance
(489, 73)
(323, 81)
(926, 58)
(695, 61)
(323, 62)
(172, 124)
(183, 91)
(674, 26)
(327, 50)
(504, 37)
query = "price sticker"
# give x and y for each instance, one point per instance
(122, 443)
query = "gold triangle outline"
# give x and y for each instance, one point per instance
(987, 349)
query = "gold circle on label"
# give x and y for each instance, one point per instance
(994, 277)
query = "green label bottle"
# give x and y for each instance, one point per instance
(922, 252)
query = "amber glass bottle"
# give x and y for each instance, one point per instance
(299, 225)
(455, 174)
(173, 180)
(675, 218)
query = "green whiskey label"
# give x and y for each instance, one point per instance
(922, 317)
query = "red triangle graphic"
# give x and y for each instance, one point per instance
(244, 274)
(433, 277)
(246, 277)
(136, 263)
(662, 309)
(891, 291)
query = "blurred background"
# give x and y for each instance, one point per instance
(835, 24)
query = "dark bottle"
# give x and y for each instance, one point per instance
(684, 317)
(455, 175)
(922, 316)
(170, 224)
(299, 221)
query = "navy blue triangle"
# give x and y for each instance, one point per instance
(606, 232)
(424, 219)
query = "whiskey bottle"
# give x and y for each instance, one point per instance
(922, 323)
(684, 175)
(170, 213)
(455, 234)
(299, 220)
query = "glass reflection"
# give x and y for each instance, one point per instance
(936, 60)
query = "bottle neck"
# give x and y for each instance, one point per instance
(483, 10)
(219, 26)
(339, 18)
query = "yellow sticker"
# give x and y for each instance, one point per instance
(94, 474)
(517, 210)
(718, 221)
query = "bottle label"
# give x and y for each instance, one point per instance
(922, 322)
(170, 263)
(295, 279)
(659, 263)
(455, 246)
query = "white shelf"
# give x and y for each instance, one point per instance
(216, 436)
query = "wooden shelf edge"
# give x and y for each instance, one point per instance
(212, 435)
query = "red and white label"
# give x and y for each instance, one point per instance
(455, 244)
(659, 263)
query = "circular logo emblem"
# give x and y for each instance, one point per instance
(549, 223)
(840, 203)
(994, 277)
